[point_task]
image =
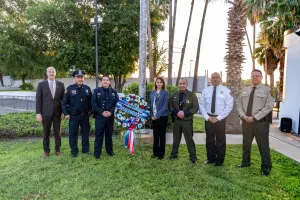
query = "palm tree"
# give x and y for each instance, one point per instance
(172, 24)
(184, 45)
(254, 9)
(157, 12)
(199, 45)
(235, 57)
(279, 16)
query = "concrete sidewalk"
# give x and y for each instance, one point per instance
(284, 143)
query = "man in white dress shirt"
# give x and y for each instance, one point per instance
(215, 105)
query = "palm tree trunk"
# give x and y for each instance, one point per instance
(184, 45)
(151, 77)
(249, 45)
(143, 48)
(252, 54)
(155, 57)
(170, 43)
(272, 80)
(199, 47)
(281, 71)
(234, 59)
(266, 67)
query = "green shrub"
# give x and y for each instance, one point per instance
(26, 86)
(15, 125)
(133, 88)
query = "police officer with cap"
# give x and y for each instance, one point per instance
(77, 108)
(104, 101)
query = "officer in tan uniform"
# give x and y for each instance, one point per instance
(254, 105)
(183, 105)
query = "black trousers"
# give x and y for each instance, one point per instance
(185, 126)
(215, 141)
(159, 133)
(103, 125)
(259, 130)
(74, 123)
(47, 123)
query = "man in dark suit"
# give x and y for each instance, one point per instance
(49, 95)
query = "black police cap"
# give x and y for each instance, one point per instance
(78, 73)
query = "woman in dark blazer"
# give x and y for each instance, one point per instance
(159, 98)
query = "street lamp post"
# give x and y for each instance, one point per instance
(190, 67)
(94, 22)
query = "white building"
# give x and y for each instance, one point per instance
(290, 106)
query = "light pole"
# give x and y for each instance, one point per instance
(190, 67)
(94, 22)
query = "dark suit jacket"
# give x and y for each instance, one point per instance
(45, 104)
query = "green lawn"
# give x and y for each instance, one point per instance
(25, 175)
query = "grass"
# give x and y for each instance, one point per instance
(198, 124)
(25, 175)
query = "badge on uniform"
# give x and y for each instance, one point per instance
(98, 93)
(222, 92)
(73, 91)
(113, 94)
(87, 92)
(187, 101)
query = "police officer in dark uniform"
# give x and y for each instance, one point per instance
(104, 101)
(77, 108)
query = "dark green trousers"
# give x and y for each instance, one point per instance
(259, 130)
(185, 126)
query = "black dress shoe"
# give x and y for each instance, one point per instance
(97, 157)
(160, 158)
(243, 165)
(194, 161)
(111, 154)
(209, 162)
(73, 155)
(172, 157)
(87, 153)
(265, 173)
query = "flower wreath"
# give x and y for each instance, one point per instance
(131, 111)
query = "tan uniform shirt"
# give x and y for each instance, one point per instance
(263, 102)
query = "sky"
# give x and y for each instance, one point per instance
(213, 40)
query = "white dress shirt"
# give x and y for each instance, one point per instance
(54, 86)
(224, 102)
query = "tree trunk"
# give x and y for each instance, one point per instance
(155, 57)
(195, 81)
(234, 59)
(170, 43)
(151, 71)
(281, 72)
(184, 45)
(143, 47)
(119, 82)
(252, 54)
(272, 80)
(266, 67)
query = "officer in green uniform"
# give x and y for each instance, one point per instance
(183, 105)
(254, 105)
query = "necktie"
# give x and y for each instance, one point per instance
(213, 102)
(250, 103)
(51, 88)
